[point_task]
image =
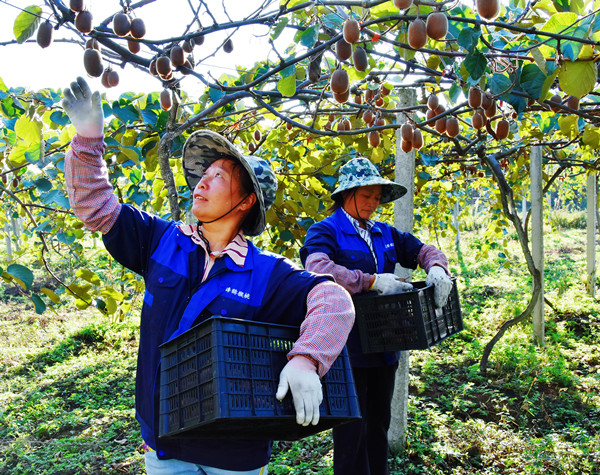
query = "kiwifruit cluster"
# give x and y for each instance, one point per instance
(253, 146)
(110, 78)
(410, 138)
(436, 28)
(340, 85)
(570, 101)
(435, 109)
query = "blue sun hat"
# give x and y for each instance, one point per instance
(362, 172)
(204, 147)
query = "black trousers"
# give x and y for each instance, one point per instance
(361, 448)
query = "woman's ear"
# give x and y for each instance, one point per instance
(249, 201)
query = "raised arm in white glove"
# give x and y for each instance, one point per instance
(84, 109)
(300, 376)
(442, 285)
(386, 284)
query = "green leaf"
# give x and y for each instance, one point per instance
(43, 184)
(532, 80)
(67, 238)
(30, 131)
(40, 306)
(89, 276)
(475, 64)
(568, 125)
(286, 235)
(53, 296)
(281, 24)
(500, 84)
(577, 78)
(21, 274)
(331, 20)
(468, 38)
(287, 84)
(26, 23)
(309, 36)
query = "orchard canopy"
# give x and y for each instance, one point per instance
(492, 79)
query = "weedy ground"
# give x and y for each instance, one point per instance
(67, 382)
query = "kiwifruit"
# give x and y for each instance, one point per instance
(384, 91)
(339, 81)
(152, 68)
(92, 61)
(341, 127)
(177, 55)
(406, 146)
(556, 98)
(343, 49)
(347, 124)
(417, 34)
(359, 58)
(474, 97)
(44, 34)
(403, 4)
(198, 40)
(417, 141)
(486, 100)
(77, 5)
(437, 25)
(166, 77)
(488, 9)
(440, 109)
(478, 119)
(369, 95)
(228, 45)
(163, 65)
(342, 97)
(314, 68)
(379, 121)
(440, 125)
(257, 135)
(573, 102)
(374, 138)
(251, 147)
(92, 43)
(289, 126)
(113, 78)
(121, 24)
(452, 127)
(351, 31)
(368, 117)
(502, 128)
(358, 99)
(433, 101)
(379, 100)
(134, 46)
(331, 118)
(188, 45)
(83, 21)
(137, 28)
(430, 114)
(104, 78)
(406, 132)
(187, 66)
(166, 102)
(491, 110)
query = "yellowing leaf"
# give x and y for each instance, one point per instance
(53, 296)
(591, 137)
(568, 125)
(577, 78)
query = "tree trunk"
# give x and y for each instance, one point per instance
(403, 220)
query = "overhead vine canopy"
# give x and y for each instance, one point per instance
(491, 79)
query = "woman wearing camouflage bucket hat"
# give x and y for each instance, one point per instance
(192, 272)
(361, 254)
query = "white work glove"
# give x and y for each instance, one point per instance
(84, 109)
(300, 376)
(442, 285)
(386, 284)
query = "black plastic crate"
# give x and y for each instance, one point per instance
(219, 379)
(407, 320)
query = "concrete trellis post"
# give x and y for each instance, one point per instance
(591, 234)
(537, 238)
(403, 220)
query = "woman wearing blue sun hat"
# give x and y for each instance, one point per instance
(192, 272)
(361, 254)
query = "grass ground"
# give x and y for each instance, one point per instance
(67, 378)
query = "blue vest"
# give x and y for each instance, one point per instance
(337, 237)
(268, 288)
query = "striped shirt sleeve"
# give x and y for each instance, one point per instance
(324, 331)
(90, 193)
(430, 256)
(354, 281)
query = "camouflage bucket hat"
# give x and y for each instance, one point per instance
(204, 147)
(361, 172)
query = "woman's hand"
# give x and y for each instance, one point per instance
(442, 285)
(386, 284)
(84, 109)
(300, 376)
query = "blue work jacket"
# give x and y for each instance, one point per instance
(337, 237)
(268, 288)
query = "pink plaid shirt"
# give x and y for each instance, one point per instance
(330, 312)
